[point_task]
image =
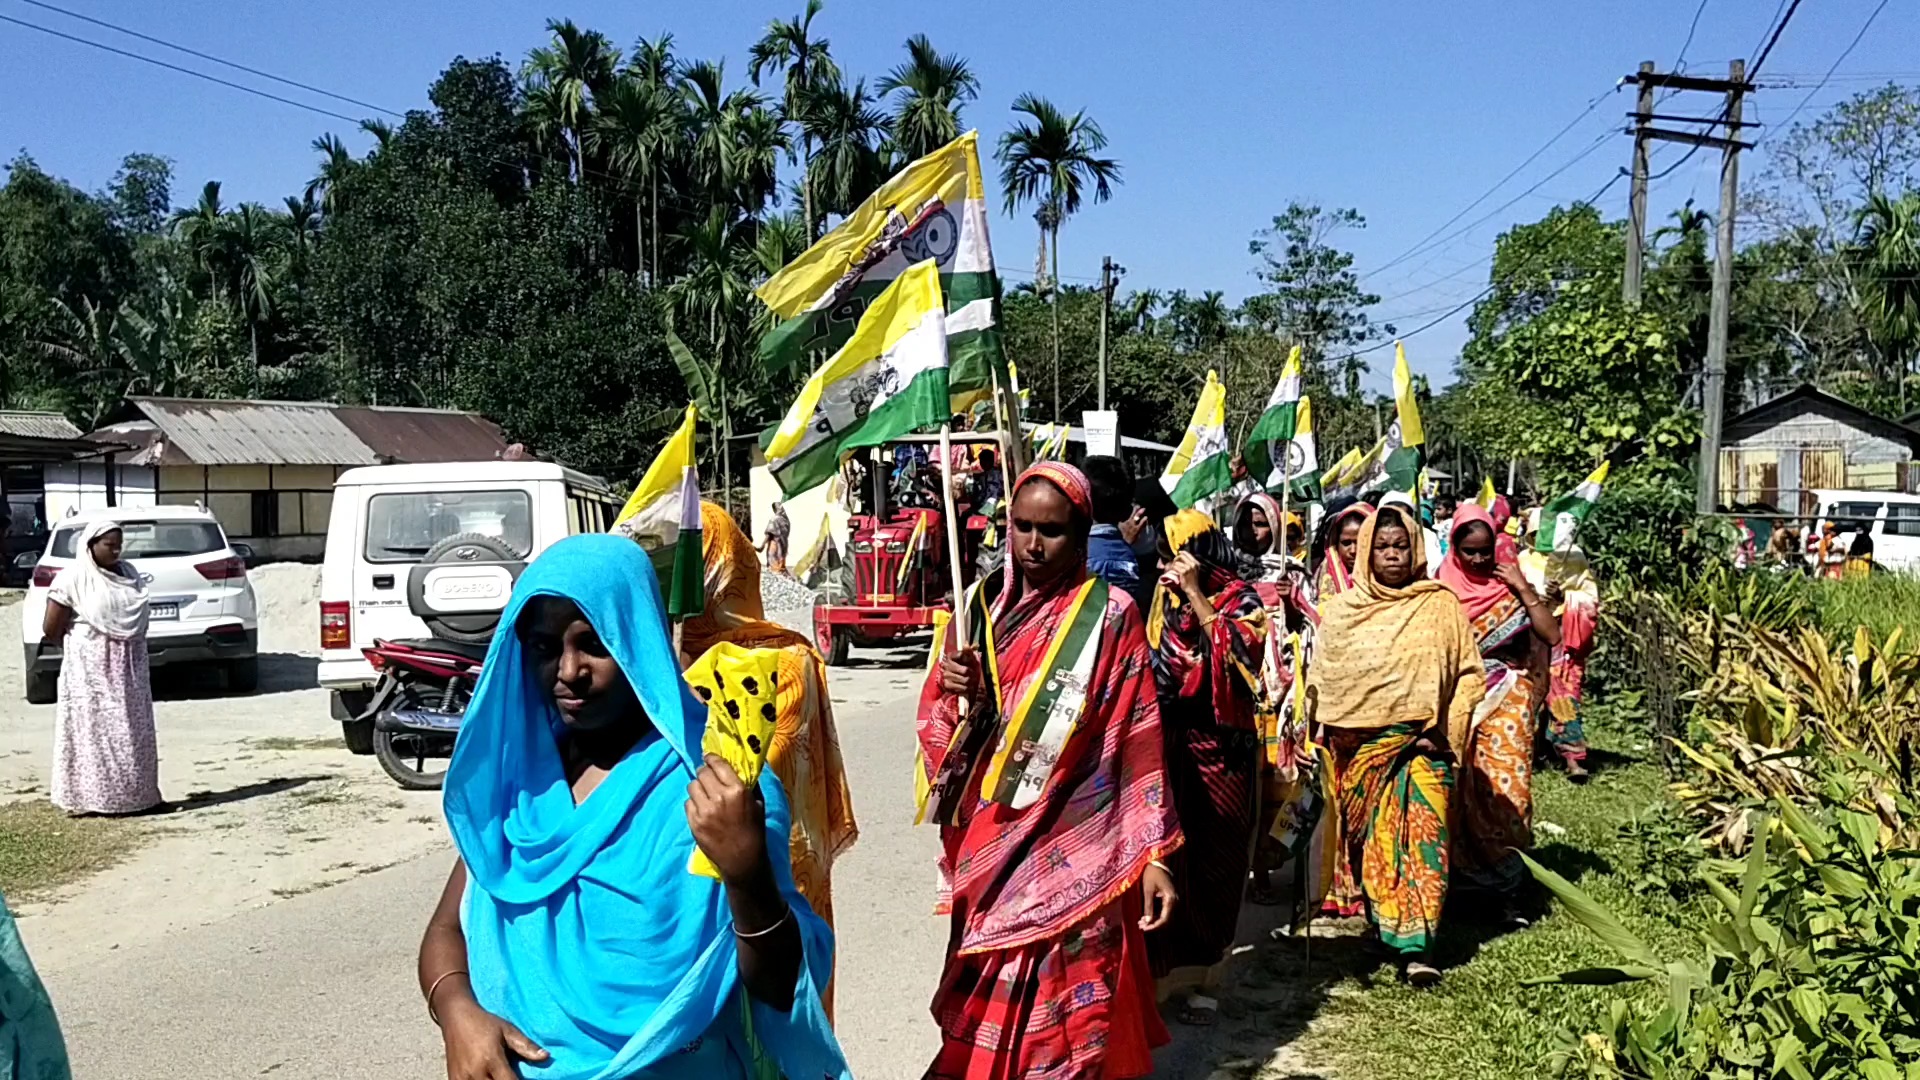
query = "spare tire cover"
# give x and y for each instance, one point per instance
(461, 586)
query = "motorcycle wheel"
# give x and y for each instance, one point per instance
(405, 757)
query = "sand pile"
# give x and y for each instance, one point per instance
(288, 595)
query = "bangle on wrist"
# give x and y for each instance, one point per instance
(777, 924)
(434, 988)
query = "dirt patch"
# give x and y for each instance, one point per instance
(43, 850)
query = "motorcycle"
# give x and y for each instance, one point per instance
(419, 704)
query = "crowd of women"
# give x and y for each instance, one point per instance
(1146, 718)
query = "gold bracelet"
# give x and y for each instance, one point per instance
(431, 1015)
(1158, 865)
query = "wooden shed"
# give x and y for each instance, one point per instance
(1780, 451)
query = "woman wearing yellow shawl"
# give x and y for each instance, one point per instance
(806, 749)
(1394, 681)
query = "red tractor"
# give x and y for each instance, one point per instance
(897, 543)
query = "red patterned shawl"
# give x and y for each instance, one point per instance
(1014, 877)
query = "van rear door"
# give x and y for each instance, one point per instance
(402, 525)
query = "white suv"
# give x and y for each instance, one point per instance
(200, 603)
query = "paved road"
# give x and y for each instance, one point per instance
(321, 985)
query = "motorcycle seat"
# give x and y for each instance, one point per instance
(476, 653)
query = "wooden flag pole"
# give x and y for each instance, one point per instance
(953, 537)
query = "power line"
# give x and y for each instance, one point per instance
(182, 70)
(1841, 59)
(1774, 40)
(1680, 63)
(211, 58)
(1477, 297)
(1531, 158)
(1496, 211)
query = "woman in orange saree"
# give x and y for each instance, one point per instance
(806, 750)
(1514, 630)
(1394, 681)
(1051, 797)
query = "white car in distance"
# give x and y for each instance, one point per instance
(201, 607)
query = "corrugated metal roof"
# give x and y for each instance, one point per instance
(424, 436)
(37, 425)
(209, 432)
(193, 431)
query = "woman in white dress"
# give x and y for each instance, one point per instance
(104, 756)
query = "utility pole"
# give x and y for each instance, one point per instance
(1714, 376)
(1637, 204)
(1110, 274)
(1713, 387)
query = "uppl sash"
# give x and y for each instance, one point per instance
(1037, 730)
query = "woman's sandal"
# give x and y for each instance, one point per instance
(1421, 974)
(1200, 1011)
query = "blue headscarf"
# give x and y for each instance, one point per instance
(583, 926)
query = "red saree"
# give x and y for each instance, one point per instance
(1046, 976)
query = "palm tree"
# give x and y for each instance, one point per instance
(655, 66)
(336, 163)
(713, 291)
(381, 131)
(1887, 249)
(703, 90)
(200, 230)
(756, 140)
(789, 45)
(574, 70)
(1051, 158)
(253, 270)
(635, 129)
(850, 130)
(932, 87)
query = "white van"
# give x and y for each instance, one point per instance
(1893, 520)
(385, 520)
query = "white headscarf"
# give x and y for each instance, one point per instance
(112, 604)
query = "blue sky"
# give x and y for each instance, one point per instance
(1220, 115)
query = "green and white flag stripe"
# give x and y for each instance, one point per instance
(1561, 518)
(663, 516)
(1278, 421)
(1298, 471)
(934, 209)
(1203, 465)
(890, 379)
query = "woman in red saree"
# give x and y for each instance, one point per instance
(1515, 630)
(1054, 814)
(1206, 632)
(1339, 544)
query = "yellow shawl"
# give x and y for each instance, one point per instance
(1386, 656)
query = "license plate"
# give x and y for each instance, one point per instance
(164, 611)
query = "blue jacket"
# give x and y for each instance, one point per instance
(1109, 557)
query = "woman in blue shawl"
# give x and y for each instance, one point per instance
(571, 942)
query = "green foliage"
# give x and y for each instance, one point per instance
(1644, 531)
(1809, 969)
(1883, 603)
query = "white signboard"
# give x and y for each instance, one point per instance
(1102, 432)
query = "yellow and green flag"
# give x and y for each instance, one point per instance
(1266, 443)
(1203, 464)
(888, 380)
(934, 210)
(663, 514)
(1405, 453)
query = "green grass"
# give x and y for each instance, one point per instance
(41, 849)
(1482, 1021)
(1881, 603)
